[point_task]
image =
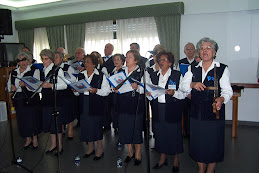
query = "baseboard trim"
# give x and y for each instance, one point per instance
(244, 123)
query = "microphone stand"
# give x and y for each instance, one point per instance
(14, 160)
(146, 112)
(146, 122)
(55, 111)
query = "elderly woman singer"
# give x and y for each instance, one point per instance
(206, 130)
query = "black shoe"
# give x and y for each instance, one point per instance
(175, 169)
(69, 138)
(98, 157)
(128, 158)
(157, 166)
(137, 162)
(51, 151)
(61, 151)
(35, 147)
(26, 147)
(87, 155)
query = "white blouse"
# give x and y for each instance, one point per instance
(20, 75)
(105, 87)
(140, 88)
(61, 85)
(162, 83)
(226, 90)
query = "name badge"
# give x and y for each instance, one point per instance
(172, 85)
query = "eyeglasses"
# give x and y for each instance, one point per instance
(203, 48)
(44, 59)
(19, 60)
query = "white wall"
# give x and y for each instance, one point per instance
(229, 29)
(229, 22)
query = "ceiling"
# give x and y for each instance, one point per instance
(34, 4)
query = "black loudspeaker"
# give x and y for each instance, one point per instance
(6, 22)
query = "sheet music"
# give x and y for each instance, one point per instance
(32, 82)
(117, 78)
(155, 91)
(81, 86)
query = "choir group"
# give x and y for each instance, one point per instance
(205, 89)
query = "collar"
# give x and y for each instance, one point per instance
(95, 72)
(212, 64)
(167, 73)
(27, 69)
(49, 67)
(62, 65)
(190, 61)
(114, 70)
(107, 56)
(127, 70)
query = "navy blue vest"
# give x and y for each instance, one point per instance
(96, 107)
(173, 112)
(152, 73)
(132, 102)
(26, 93)
(67, 92)
(65, 68)
(201, 103)
(185, 61)
(47, 93)
(108, 64)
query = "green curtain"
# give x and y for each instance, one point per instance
(168, 28)
(75, 37)
(26, 36)
(164, 9)
(56, 37)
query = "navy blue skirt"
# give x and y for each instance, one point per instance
(168, 135)
(115, 110)
(68, 109)
(49, 120)
(130, 128)
(29, 117)
(207, 140)
(91, 126)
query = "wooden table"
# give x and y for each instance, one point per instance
(235, 96)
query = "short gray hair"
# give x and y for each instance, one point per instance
(49, 53)
(61, 55)
(81, 49)
(206, 39)
(187, 44)
(24, 54)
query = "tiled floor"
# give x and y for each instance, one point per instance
(241, 154)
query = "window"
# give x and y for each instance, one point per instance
(140, 30)
(98, 34)
(40, 42)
